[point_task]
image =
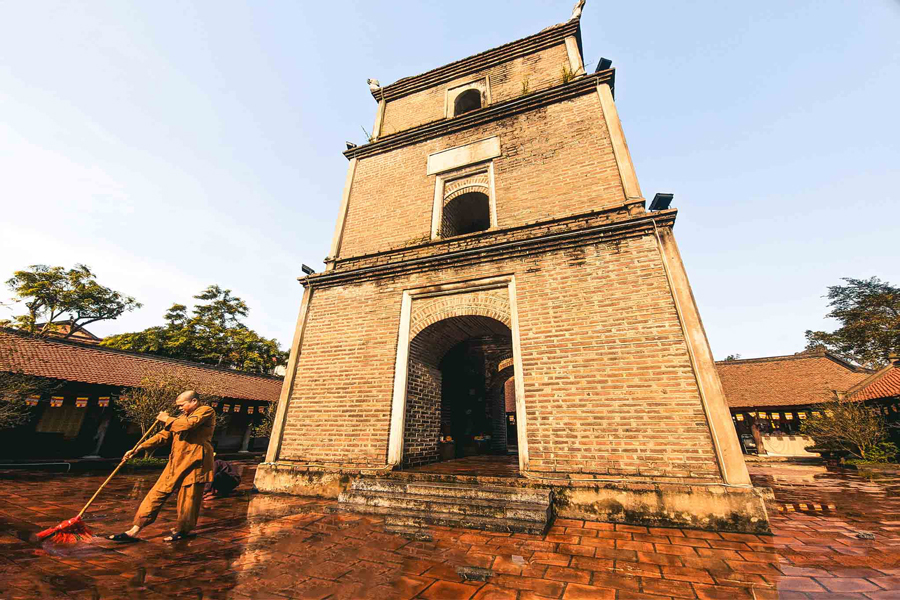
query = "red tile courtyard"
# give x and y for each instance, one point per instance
(255, 546)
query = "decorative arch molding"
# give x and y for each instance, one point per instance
(493, 298)
(489, 303)
(450, 185)
(475, 183)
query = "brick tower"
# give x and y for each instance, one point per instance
(498, 296)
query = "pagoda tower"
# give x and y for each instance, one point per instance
(498, 301)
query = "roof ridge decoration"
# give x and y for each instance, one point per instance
(477, 62)
(131, 353)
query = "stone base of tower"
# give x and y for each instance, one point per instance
(714, 507)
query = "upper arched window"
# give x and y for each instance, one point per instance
(466, 213)
(467, 101)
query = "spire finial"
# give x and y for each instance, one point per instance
(576, 11)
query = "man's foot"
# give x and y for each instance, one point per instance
(178, 536)
(123, 538)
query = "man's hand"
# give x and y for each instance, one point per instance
(163, 416)
(128, 455)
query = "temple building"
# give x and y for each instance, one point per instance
(504, 331)
(77, 412)
(771, 397)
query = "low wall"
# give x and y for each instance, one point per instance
(787, 445)
(713, 507)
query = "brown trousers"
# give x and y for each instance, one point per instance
(188, 506)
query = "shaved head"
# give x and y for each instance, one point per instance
(187, 396)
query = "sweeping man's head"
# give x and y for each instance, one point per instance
(187, 401)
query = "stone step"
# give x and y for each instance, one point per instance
(394, 517)
(498, 508)
(406, 503)
(453, 490)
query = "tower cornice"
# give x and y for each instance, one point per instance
(607, 225)
(578, 87)
(484, 60)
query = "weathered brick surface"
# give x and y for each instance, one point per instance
(555, 161)
(608, 385)
(541, 70)
(423, 413)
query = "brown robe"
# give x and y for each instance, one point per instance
(191, 458)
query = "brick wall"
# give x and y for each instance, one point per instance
(423, 413)
(555, 161)
(542, 70)
(608, 385)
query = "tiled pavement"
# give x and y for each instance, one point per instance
(485, 466)
(253, 546)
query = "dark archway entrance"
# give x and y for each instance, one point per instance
(455, 397)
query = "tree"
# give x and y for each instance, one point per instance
(264, 428)
(213, 333)
(157, 392)
(64, 302)
(847, 425)
(731, 357)
(869, 314)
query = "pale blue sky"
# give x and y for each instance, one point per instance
(172, 145)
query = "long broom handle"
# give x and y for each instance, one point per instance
(100, 489)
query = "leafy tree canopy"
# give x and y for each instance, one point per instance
(64, 302)
(868, 311)
(211, 333)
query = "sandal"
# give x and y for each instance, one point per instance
(123, 538)
(178, 536)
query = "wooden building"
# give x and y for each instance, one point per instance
(79, 416)
(775, 394)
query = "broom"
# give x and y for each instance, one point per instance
(74, 530)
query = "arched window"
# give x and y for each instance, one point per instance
(466, 213)
(467, 101)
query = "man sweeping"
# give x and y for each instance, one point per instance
(189, 469)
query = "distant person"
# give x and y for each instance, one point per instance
(225, 479)
(190, 467)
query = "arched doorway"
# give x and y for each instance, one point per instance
(455, 402)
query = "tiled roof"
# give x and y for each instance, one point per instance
(73, 361)
(795, 380)
(883, 384)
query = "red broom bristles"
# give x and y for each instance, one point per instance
(74, 530)
(68, 532)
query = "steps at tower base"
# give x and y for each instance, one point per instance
(415, 504)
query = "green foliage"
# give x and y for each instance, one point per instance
(731, 357)
(847, 425)
(264, 427)
(526, 84)
(884, 452)
(212, 333)
(567, 74)
(64, 301)
(868, 311)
